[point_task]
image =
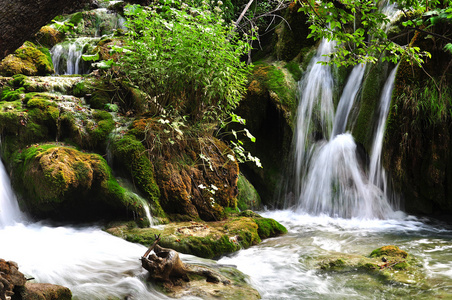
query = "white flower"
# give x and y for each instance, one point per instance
(202, 186)
(214, 187)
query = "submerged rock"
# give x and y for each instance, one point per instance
(387, 264)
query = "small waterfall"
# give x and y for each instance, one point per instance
(316, 106)
(376, 172)
(9, 209)
(67, 56)
(347, 99)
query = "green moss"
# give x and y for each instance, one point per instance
(368, 104)
(8, 94)
(247, 197)
(20, 80)
(131, 156)
(269, 228)
(294, 69)
(392, 251)
(76, 18)
(99, 99)
(29, 52)
(48, 36)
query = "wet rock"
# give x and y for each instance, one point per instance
(45, 291)
(205, 239)
(10, 278)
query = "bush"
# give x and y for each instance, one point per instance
(185, 57)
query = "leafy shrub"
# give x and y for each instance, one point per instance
(186, 58)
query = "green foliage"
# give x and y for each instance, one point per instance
(358, 28)
(186, 58)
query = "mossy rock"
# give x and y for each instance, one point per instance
(387, 264)
(292, 35)
(130, 156)
(49, 36)
(390, 251)
(365, 109)
(27, 60)
(203, 239)
(65, 184)
(247, 197)
(268, 227)
(270, 119)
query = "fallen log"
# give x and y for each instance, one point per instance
(165, 265)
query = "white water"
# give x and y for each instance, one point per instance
(67, 56)
(316, 103)
(347, 99)
(287, 267)
(376, 172)
(329, 177)
(90, 262)
(9, 209)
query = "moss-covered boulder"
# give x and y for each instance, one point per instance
(387, 264)
(66, 184)
(205, 239)
(48, 36)
(130, 156)
(247, 197)
(45, 291)
(27, 60)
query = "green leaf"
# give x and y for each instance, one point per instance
(448, 48)
(90, 57)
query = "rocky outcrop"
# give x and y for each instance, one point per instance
(10, 279)
(269, 108)
(13, 285)
(45, 291)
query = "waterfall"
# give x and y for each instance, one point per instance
(67, 56)
(9, 209)
(329, 177)
(347, 99)
(376, 172)
(315, 90)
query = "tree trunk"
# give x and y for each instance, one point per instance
(21, 19)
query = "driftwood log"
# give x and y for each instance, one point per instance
(165, 265)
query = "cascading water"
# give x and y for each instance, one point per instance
(329, 177)
(9, 209)
(376, 172)
(92, 263)
(67, 56)
(316, 106)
